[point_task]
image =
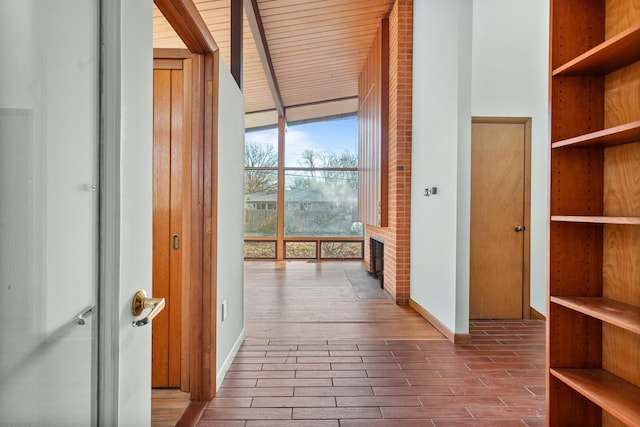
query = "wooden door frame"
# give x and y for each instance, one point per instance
(186, 21)
(526, 271)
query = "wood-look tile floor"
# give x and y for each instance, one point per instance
(167, 406)
(314, 300)
(315, 355)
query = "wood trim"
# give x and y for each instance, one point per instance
(461, 338)
(320, 239)
(209, 253)
(167, 64)
(203, 228)
(536, 315)
(261, 239)
(171, 54)
(526, 268)
(184, 18)
(280, 205)
(315, 169)
(257, 29)
(185, 378)
(192, 414)
(448, 333)
(197, 230)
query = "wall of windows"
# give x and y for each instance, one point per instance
(301, 192)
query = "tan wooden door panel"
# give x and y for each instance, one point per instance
(167, 223)
(497, 208)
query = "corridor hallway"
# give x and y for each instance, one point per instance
(316, 354)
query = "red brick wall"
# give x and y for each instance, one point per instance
(396, 235)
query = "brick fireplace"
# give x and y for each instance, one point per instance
(376, 249)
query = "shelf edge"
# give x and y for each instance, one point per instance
(584, 219)
(603, 309)
(601, 63)
(589, 383)
(618, 135)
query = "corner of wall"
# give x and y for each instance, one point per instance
(463, 204)
(441, 158)
(230, 226)
(221, 373)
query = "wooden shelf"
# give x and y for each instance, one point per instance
(616, 396)
(620, 220)
(623, 134)
(616, 313)
(613, 54)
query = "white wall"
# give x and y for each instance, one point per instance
(441, 156)
(230, 332)
(480, 58)
(510, 68)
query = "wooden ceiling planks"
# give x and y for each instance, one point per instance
(318, 47)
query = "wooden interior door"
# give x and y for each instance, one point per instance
(497, 258)
(168, 236)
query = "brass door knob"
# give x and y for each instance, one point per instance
(141, 302)
(519, 228)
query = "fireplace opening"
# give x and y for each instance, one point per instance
(376, 249)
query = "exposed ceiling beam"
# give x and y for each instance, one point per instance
(186, 21)
(324, 110)
(236, 41)
(257, 29)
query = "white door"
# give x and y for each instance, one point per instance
(49, 127)
(50, 201)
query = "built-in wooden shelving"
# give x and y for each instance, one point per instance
(616, 396)
(615, 53)
(594, 304)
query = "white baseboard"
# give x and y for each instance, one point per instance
(229, 360)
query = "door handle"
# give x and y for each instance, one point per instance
(81, 318)
(140, 303)
(519, 228)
